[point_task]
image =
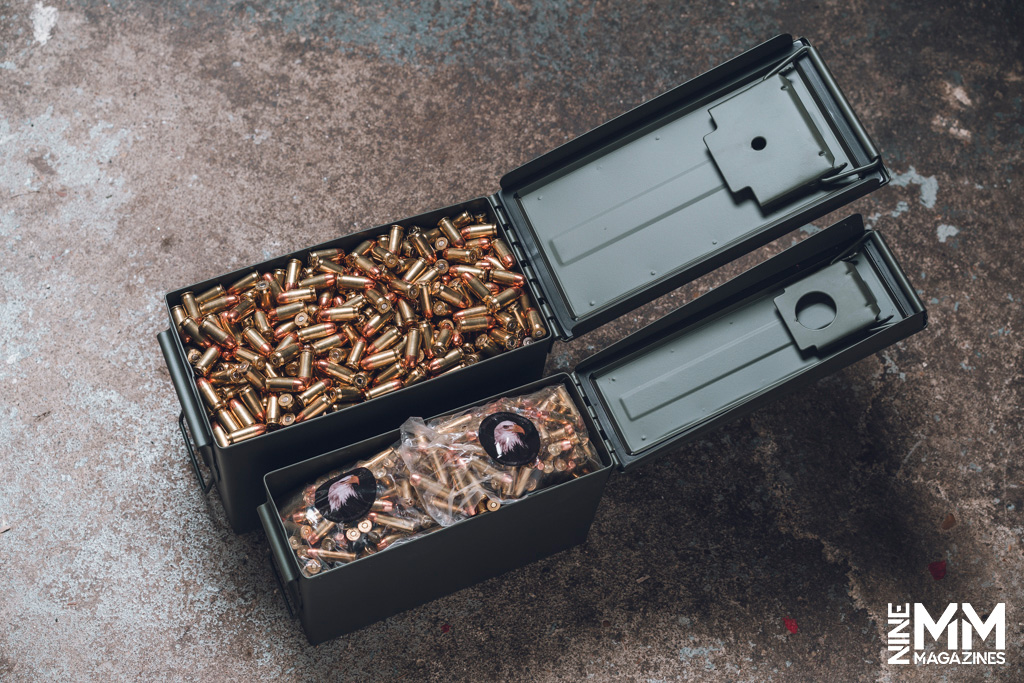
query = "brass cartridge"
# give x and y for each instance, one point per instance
(208, 295)
(210, 396)
(291, 275)
(220, 436)
(247, 433)
(476, 231)
(332, 555)
(383, 388)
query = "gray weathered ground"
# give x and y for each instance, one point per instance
(145, 147)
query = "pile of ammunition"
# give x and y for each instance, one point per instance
(282, 347)
(440, 474)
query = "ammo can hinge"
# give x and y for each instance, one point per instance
(524, 263)
(593, 416)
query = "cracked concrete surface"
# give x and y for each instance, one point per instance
(143, 147)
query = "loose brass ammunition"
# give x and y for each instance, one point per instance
(285, 312)
(474, 323)
(449, 360)
(211, 293)
(502, 298)
(210, 395)
(450, 231)
(338, 314)
(507, 277)
(405, 316)
(313, 391)
(462, 220)
(273, 411)
(376, 323)
(207, 360)
(291, 277)
(178, 315)
(191, 306)
(353, 534)
(219, 435)
(422, 247)
(406, 289)
(338, 372)
(228, 420)
(471, 312)
(213, 331)
(327, 343)
(247, 433)
(315, 407)
(355, 355)
(477, 231)
(256, 340)
(316, 331)
(412, 348)
(475, 285)
(378, 300)
(190, 328)
(357, 282)
(389, 373)
(252, 403)
(381, 359)
(321, 281)
(221, 303)
(290, 384)
(297, 295)
(383, 388)
(451, 296)
(395, 235)
(385, 307)
(305, 368)
(388, 338)
(503, 252)
(241, 413)
(265, 294)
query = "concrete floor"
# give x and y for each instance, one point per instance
(143, 148)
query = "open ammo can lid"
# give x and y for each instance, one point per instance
(688, 181)
(818, 306)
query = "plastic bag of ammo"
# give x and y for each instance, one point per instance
(347, 514)
(439, 473)
(477, 460)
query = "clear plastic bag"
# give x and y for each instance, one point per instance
(484, 457)
(439, 473)
(347, 514)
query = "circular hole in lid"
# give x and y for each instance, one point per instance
(815, 310)
(758, 143)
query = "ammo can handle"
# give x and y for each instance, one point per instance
(284, 570)
(204, 484)
(191, 411)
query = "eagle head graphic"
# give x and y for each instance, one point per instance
(341, 491)
(507, 437)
